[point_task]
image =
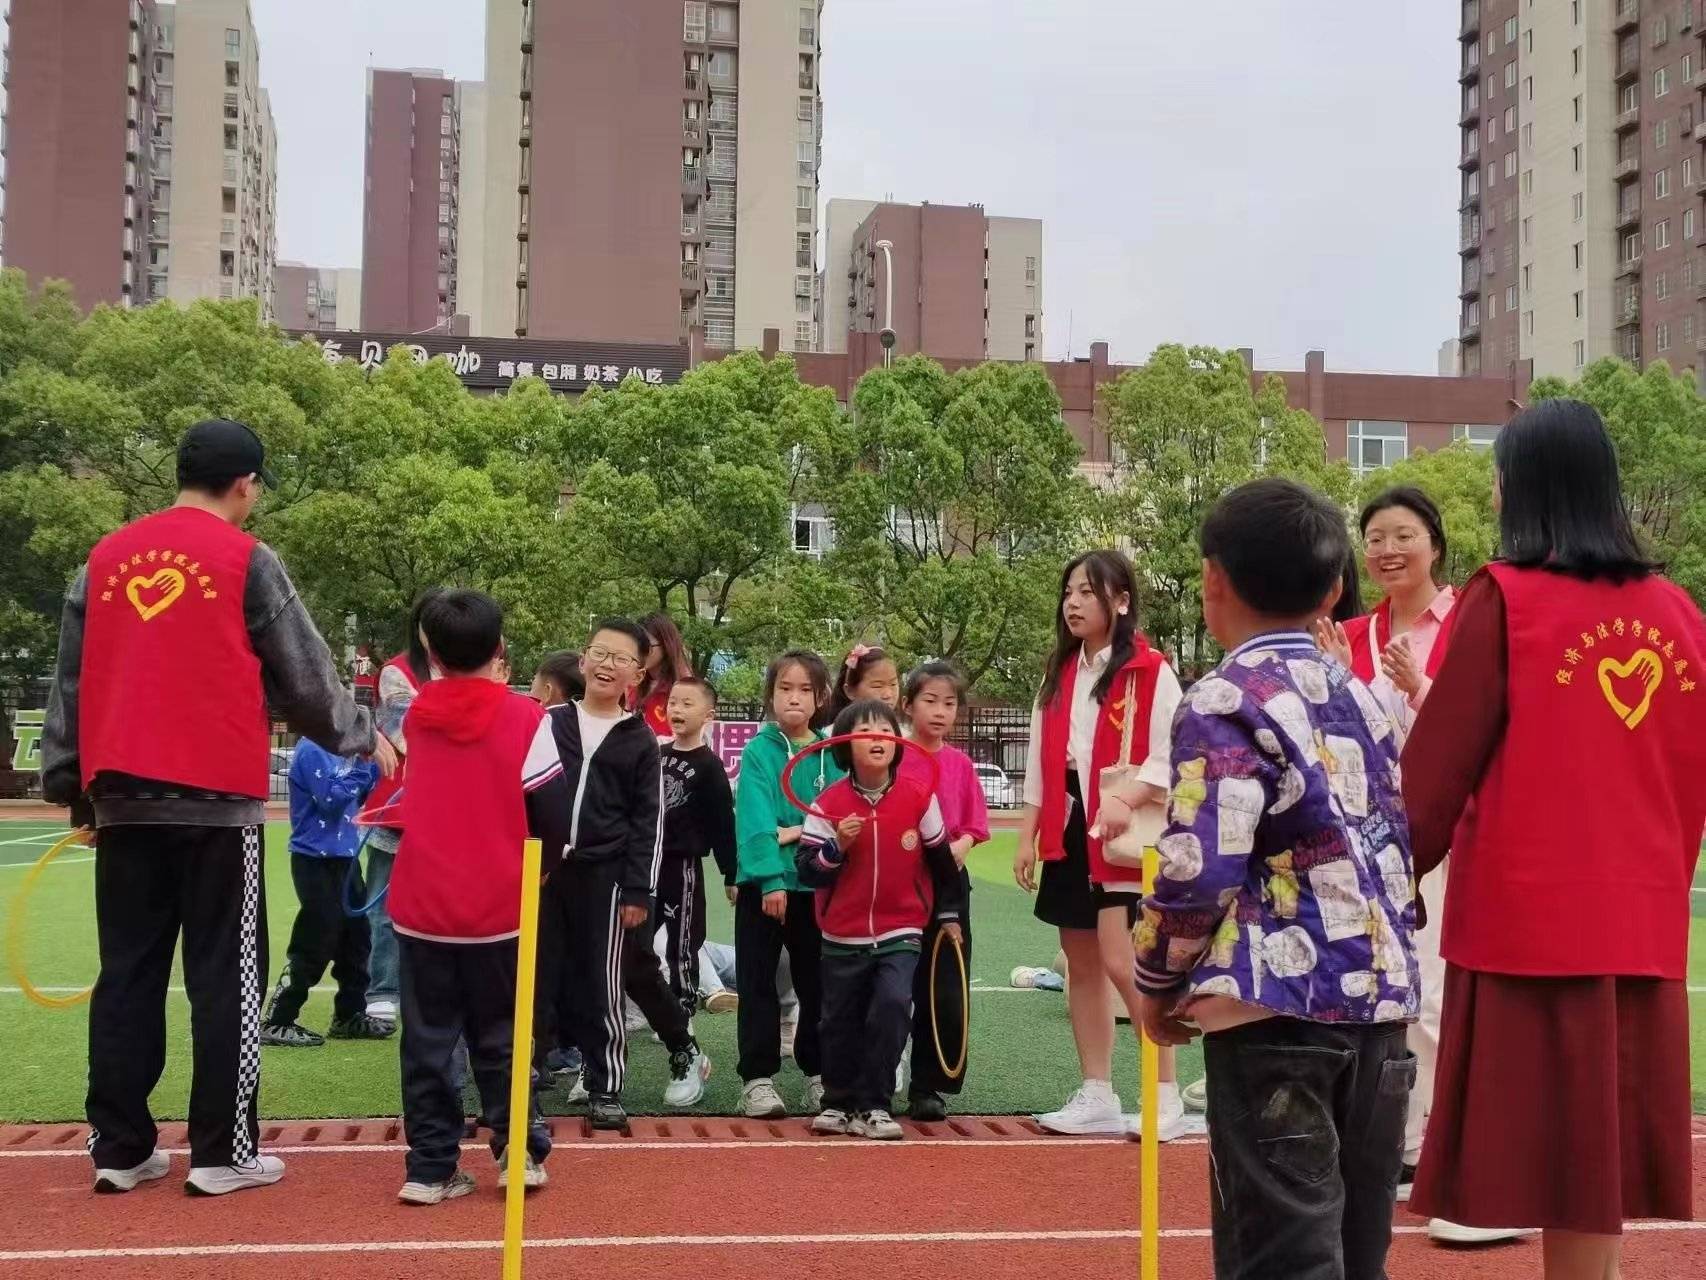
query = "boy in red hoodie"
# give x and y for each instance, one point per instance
(878, 861)
(483, 775)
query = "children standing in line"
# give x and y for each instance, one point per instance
(772, 911)
(325, 792)
(934, 692)
(698, 818)
(1282, 918)
(604, 888)
(482, 774)
(882, 869)
(866, 672)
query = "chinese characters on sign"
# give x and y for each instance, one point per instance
(497, 363)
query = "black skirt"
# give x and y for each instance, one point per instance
(1066, 897)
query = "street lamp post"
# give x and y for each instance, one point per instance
(886, 337)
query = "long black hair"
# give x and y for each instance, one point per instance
(1350, 594)
(1111, 576)
(1562, 503)
(416, 652)
(663, 634)
(1419, 505)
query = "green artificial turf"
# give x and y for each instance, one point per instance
(1021, 1058)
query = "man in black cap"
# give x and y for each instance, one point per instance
(176, 638)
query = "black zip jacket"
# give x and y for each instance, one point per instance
(614, 809)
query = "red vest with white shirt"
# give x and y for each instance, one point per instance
(1372, 632)
(1577, 854)
(170, 688)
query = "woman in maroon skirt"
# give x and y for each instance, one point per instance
(1560, 757)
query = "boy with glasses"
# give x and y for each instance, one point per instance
(604, 887)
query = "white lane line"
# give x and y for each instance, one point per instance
(61, 861)
(583, 1147)
(801, 1239)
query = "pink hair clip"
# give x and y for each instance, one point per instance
(856, 653)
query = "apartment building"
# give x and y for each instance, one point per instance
(324, 298)
(1582, 178)
(657, 166)
(966, 285)
(141, 157)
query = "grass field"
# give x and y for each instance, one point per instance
(1021, 1056)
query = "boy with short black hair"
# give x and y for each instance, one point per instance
(326, 791)
(483, 774)
(1282, 920)
(698, 818)
(609, 872)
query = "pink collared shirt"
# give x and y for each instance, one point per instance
(1423, 634)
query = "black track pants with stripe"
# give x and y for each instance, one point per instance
(581, 918)
(151, 882)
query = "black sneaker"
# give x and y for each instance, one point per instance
(361, 1027)
(290, 1035)
(927, 1106)
(1406, 1179)
(605, 1111)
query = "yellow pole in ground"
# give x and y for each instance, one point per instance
(521, 1060)
(1149, 1218)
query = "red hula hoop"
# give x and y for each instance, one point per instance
(814, 748)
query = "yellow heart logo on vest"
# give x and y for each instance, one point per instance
(168, 582)
(1643, 665)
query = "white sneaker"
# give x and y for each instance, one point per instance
(687, 1088)
(112, 1181)
(384, 1010)
(1170, 1123)
(877, 1124)
(221, 1180)
(1195, 1095)
(457, 1184)
(760, 1101)
(814, 1093)
(578, 1090)
(1456, 1233)
(1094, 1108)
(533, 1175)
(830, 1122)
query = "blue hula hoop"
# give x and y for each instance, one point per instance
(351, 910)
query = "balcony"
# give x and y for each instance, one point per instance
(1471, 112)
(1627, 169)
(692, 180)
(807, 80)
(1700, 289)
(1471, 203)
(1628, 68)
(1700, 129)
(1629, 267)
(1469, 241)
(1470, 159)
(1470, 331)
(1471, 28)
(1629, 216)
(1629, 312)
(690, 278)
(1627, 17)
(693, 82)
(1627, 120)
(1471, 69)
(692, 133)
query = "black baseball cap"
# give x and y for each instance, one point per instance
(218, 451)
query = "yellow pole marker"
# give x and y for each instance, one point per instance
(15, 928)
(521, 1060)
(1149, 1218)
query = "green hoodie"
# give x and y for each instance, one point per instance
(761, 809)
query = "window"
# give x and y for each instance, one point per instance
(1492, 177)
(1528, 89)
(1661, 82)
(1510, 210)
(1576, 61)
(1528, 182)
(1661, 336)
(1576, 104)
(1687, 67)
(1576, 158)
(1688, 171)
(1478, 435)
(1492, 42)
(1688, 224)
(723, 22)
(1510, 74)
(1492, 306)
(1527, 278)
(1661, 286)
(1576, 297)
(803, 198)
(1030, 326)
(1687, 272)
(1527, 235)
(1661, 135)
(233, 42)
(1528, 41)
(1510, 297)
(1630, 100)
(1580, 352)
(1661, 32)
(812, 534)
(808, 25)
(1575, 13)
(693, 22)
(1578, 203)
(1661, 184)
(444, 212)
(1687, 330)
(1510, 31)
(1527, 137)
(1372, 445)
(1661, 234)
(1030, 270)
(802, 335)
(1510, 164)
(1631, 246)
(1493, 130)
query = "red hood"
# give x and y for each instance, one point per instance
(460, 707)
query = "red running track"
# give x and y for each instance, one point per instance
(717, 1199)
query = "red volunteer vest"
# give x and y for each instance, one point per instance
(1374, 631)
(655, 712)
(1577, 854)
(1110, 727)
(170, 687)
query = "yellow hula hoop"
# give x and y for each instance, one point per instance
(958, 1069)
(15, 931)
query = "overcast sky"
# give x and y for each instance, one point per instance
(1278, 174)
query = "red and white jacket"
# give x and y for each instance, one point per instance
(881, 891)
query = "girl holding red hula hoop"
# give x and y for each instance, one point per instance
(1102, 670)
(875, 849)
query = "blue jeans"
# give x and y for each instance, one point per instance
(382, 980)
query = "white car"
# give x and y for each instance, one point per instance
(999, 791)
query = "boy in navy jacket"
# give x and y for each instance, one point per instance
(326, 793)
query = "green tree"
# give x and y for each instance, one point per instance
(1459, 479)
(1657, 420)
(1186, 427)
(955, 499)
